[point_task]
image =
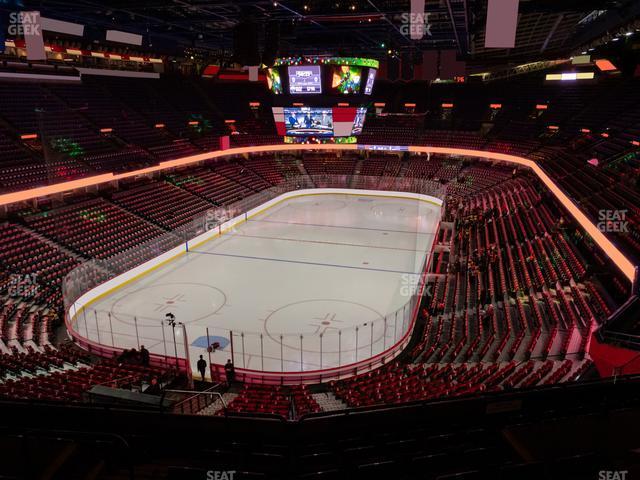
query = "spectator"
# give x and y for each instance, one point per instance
(144, 356)
(132, 356)
(202, 367)
(230, 371)
(154, 387)
(119, 358)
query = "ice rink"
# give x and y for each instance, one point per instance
(313, 282)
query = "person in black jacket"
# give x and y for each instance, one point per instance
(144, 356)
(202, 367)
(230, 371)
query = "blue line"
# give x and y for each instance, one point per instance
(322, 242)
(302, 262)
(342, 226)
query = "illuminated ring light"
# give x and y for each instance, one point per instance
(617, 257)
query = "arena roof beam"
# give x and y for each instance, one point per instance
(551, 32)
(454, 25)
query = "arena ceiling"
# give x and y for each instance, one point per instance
(546, 28)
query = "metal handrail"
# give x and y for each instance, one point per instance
(196, 394)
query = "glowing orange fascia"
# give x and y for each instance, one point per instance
(541, 106)
(447, 105)
(410, 105)
(605, 65)
(616, 256)
(379, 104)
(495, 106)
(28, 136)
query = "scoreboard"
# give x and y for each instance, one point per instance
(321, 96)
(305, 80)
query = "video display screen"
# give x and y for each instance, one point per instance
(305, 80)
(308, 121)
(273, 81)
(371, 77)
(358, 122)
(346, 79)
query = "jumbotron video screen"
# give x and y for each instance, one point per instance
(321, 96)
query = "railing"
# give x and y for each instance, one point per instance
(196, 400)
(282, 357)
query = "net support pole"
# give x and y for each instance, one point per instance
(320, 351)
(384, 335)
(187, 357)
(262, 351)
(164, 340)
(209, 352)
(371, 349)
(175, 345)
(233, 356)
(86, 326)
(395, 328)
(301, 355)
(135, 322)
(95, 313)
(404, 319)
(357, 328)
(243, 359)
(113, 342)
(339, 348)
(281, 355)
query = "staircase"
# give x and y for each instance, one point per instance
(328, 402)
(217, 405)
